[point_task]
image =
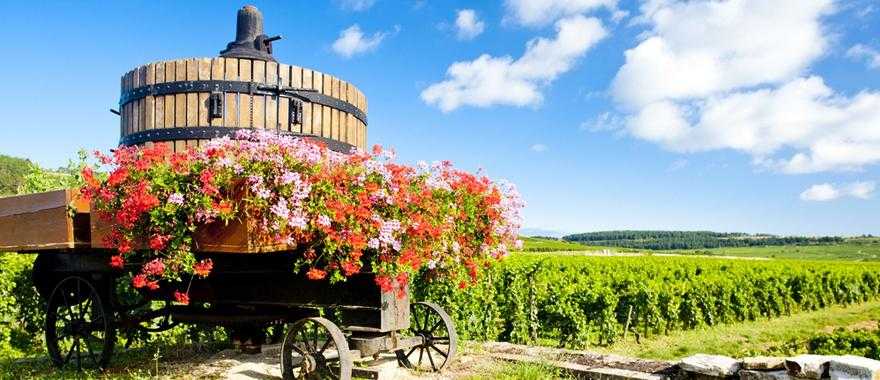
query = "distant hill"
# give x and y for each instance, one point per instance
(664, 240)
(12, 173)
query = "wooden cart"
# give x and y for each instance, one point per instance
(184, 102)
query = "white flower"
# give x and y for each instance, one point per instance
(324, 220)
(176, 199)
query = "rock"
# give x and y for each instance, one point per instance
(748, 374)
(808, 366)
(710, 365)
(854, 367)
(763, 363)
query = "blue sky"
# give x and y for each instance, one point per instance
(742, 115)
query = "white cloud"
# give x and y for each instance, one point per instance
(468, 25)
(538, 148)
(604, 122)
(728, 75)
(698, 48)
(356, 5)
(352, 41)
(677, 165)
(489, 80)
(862, 52)
(826, 192)
(820, 193)
(542, 12)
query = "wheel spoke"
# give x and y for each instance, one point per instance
(421, 352)
(439, 351)
(411, 351)
(315, 336)
(434, 328)
(78, 354)
(431, 359)
(325, 346)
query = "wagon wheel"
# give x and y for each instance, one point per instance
(79, 327)
(314, 348)
(439, 340)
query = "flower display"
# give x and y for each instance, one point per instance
(346, 213)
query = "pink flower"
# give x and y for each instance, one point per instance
(154, 268)
(176, 199)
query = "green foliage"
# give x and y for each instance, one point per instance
(545, 244)
(846, 342)
(577, 301)
(662, 240)
(38, 179)
(12, 173)
(21, 310)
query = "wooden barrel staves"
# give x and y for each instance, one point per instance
(187, 101)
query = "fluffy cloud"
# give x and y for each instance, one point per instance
(542, 12)
(489, 80)
(538, 148)
(699, 48)
(728, 75)
(468, 25)
(827, 192)
(869, 55)
(356, 5)
(352, 41)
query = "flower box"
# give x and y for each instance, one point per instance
(53, 220)
(237, 236)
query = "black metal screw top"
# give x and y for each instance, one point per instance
(250, 41)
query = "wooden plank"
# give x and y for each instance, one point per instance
(283, 103)
(180, 99)
(150, 101)
(192, 98)
(309, 109)
(245, 102)
(230, 119)
(170, 75)
(124, 110)
(160, 100)
(326, 121)
(258, 102)
(135, 111)
(272, 101)
(296, 80)
(179, 146)
(204, 74)
(334, 113)
(217, 69)
(346, 120)
(141, 103)
(36, 222)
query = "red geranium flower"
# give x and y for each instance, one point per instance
(158, 242)
(181, 297)
(316, 274)
(203, 268)
(139, 281)
(117, 262)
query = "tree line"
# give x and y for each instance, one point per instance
(666, 240)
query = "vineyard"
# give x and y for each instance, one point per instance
(577, 301)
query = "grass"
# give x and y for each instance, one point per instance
(781, 336)
(521, 371)
(853, 249)
(174, 362)
(532, 244)
(850, 250)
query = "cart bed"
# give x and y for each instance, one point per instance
(42, 222)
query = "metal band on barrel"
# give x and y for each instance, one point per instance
(206, 133)
(252, 88)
